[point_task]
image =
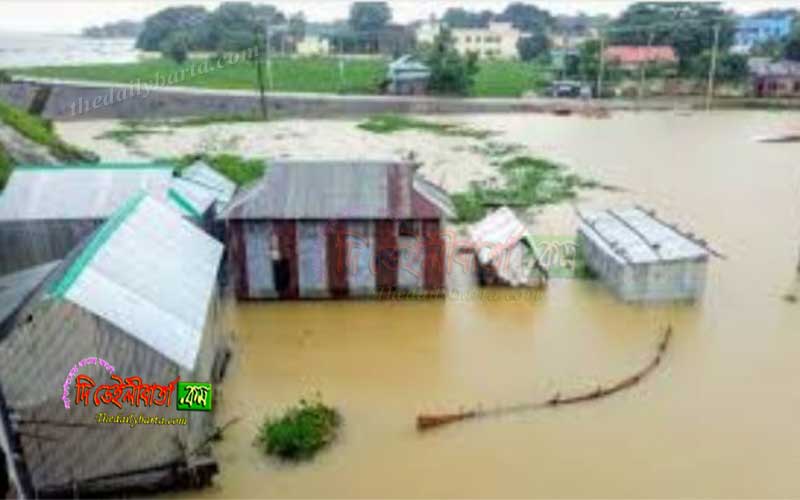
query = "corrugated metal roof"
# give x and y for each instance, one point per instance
(635, 54)
(150, 273)
(634, 236)
(334, 190)
(191, 199)
(496, 233)
(79, 192)
(17, 287)
(203, 175)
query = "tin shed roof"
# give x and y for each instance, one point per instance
(150, 273)
(634, 236)
(336, 190)
(496, 234)
(201, 174)
(17, 288)
(636, 54)
(79, 191)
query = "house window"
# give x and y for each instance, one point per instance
(797, 86)
(469, 39)
(408, 228)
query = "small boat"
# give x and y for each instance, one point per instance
(779, 138)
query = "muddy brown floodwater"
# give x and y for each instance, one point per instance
(718, 418)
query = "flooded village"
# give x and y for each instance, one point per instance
(532, 297)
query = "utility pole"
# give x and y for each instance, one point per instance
(602, 65)
(259, 62)
(642, 67)
(267, 48)
(712, 70)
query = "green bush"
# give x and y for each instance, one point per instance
(300, 432)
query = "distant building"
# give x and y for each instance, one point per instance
(408, 76)
(313, 45)
(633, 56)
(46, 211)
(337, 229)
(141, 295)
(499, 39)
(757, 29)
(641, 258)
(775, 79)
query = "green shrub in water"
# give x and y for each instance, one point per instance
(300, 432)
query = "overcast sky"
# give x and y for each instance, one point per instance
(65, 16)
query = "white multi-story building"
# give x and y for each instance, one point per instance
(498, 40)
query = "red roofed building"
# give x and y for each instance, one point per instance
(631, 56)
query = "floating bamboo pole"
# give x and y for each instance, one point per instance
(426, 422)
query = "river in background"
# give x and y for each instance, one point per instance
(717, 419)
(32, 49)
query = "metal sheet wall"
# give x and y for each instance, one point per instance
(312, 259)
(25, 244)
(360, 257)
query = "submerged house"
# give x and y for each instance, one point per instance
(640, 257)
(408, 76)
(506, 252)
(775, 78)
(136, 300)
(45, 211)
(336, 229)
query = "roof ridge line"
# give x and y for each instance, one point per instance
(183, 203)
(100, 237)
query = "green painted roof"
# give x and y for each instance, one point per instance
(183, 203)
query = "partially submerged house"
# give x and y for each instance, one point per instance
(140, 295)
(775, 78)
(45, 211)
(640, 257)
(408, 76)
(506, 252)
(217, 185)
(336, 229)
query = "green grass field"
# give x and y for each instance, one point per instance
(360, 76)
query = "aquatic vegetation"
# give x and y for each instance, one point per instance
(388, 124)
(128, 132)
(300, 432)
(527, 182)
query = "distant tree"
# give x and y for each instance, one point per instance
(451, 73)
(158, 27)
(527, 18)
(176, 47)
(686, 26)
(768, 48)
(533, 46)
(458, 17)
(231, 25)
(369, 16)
(731, 68)
(297, 26)
(791, 50)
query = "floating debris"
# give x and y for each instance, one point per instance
(426, 422)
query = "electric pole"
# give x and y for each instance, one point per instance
(712, 68)
(643, 65)
(602, 65)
